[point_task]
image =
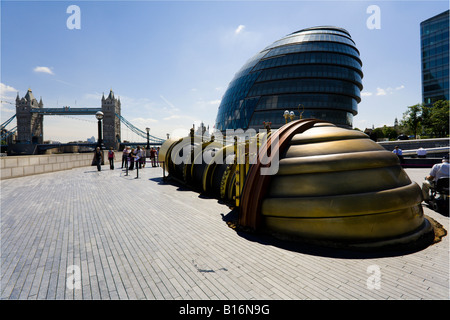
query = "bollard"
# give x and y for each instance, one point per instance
(137, 167)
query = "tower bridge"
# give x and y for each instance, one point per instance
(30, 125)
(65, 111)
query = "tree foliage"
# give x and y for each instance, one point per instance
(412, 119)
(432, 121)
(437, 121)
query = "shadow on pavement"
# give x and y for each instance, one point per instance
(333, 251)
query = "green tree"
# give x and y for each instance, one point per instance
(438, 119)
(412, 119)
(389, 132)
(377, 134)
(430, 120)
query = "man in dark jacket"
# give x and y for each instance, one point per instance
(98, 158)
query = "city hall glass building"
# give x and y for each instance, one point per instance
(314, 71)
(434, 38)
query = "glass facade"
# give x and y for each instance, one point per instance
(434, 36)
(315, 72)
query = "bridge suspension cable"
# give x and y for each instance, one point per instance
(138, 131)
(133, 128)
(6, 134)
(4, 124)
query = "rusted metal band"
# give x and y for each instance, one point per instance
(256, 185)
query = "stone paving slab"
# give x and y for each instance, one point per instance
(122, 237)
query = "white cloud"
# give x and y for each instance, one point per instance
(43, 70)
(5, 91)
(388, 90)
(183, 117)
(381, 92)
(214, 102)
(366, 94)
(239, 29)
(7, 107)
(141, 122)
(242, 39)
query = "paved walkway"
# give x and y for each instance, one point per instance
(83, 234)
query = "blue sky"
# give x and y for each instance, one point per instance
(170, 62)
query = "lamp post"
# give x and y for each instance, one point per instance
(267, 126)
(303, 110)
(286, 115)
(99, 116)
(148, 137)
(292, 115)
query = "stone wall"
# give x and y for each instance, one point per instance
(18, 166)
(416, 144)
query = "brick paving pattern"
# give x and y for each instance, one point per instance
(139, 238)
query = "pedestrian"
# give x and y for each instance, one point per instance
(399, 153)
(131, 158)
(143, 156)
(157, 157)
(421, 153)
(138, 157)
(98, 157)
(125, 153)
(111, 158)
(153, 156)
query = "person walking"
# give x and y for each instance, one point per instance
(138, 154)
(137, 159)
(153, 156)
(143, 156)
(111, 158)
(98, 156)
(125, 153)
(132, 157)
(157, 157)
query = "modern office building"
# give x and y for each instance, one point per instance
(314, 71)
(434, 37)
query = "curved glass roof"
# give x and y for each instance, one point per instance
(318, 68)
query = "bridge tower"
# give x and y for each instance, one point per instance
(30, 125)
(111, 123)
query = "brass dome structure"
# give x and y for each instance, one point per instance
(333, 185)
